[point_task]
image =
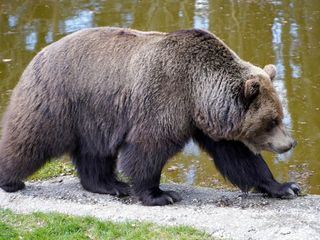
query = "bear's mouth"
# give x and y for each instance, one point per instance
(271, 148)
(256, 148)
(277, 150)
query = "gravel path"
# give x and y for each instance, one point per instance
(220, 213)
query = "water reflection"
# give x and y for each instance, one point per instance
(279, 83)
(83, 19)
(286, 33)
(191, 149)
(201, 19)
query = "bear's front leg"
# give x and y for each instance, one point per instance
(143, 163)
(245, 169)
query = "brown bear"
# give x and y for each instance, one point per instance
(110, 95)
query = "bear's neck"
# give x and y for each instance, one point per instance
(217, 93)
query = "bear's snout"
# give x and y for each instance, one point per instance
(283, 146)
(281, 140)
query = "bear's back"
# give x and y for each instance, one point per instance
(90, 60)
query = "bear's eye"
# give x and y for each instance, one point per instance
(272, 125)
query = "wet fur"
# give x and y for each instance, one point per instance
(103, 95)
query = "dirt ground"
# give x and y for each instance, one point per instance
(225, 214)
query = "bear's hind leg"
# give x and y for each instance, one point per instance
(97, 174)
(17, 162)
(143, 164)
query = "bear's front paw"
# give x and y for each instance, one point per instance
(157, 197)
(286, 190)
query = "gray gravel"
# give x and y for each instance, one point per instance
(221, 213)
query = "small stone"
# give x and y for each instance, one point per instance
(172, 168)
(215, 181)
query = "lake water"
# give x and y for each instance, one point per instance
(285, 33)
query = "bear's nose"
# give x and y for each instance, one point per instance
(292, 144)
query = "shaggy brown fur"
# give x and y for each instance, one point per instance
(104, 94)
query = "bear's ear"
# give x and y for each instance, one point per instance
(251, 89)
(270, 69)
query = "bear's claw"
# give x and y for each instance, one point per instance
(121, 189)
(159, 198)
(292, 189)
(285, 191)
(296, 188)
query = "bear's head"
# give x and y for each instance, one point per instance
(262, 127)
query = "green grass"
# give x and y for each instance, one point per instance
(63, 167)
(52, 169)
(57, 226)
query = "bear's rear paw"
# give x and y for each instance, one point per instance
(13, 187)
(120, 189)
(157, 197)
(286, 190)
(114, 188)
